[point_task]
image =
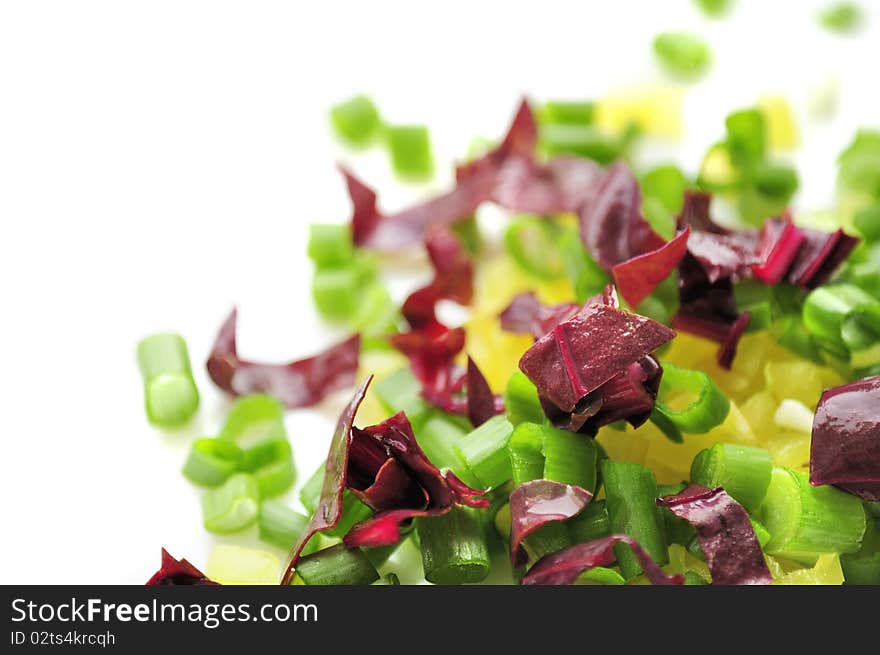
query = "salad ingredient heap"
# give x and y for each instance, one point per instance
(643, 409)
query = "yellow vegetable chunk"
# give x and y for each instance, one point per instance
(827, 571)
(229, 564)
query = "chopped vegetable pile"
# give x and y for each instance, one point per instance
(642, 392)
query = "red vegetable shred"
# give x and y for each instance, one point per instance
(536, 503)
(177, 572)
(299, 383)
(726, 535)
(564, 567)
(845, 445)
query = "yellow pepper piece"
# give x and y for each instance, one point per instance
(656, 110)
(827, 571)
(236, 565)
(798, 379)
(782, 131)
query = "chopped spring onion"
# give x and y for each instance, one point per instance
(376, 314)
(776, 181)
(532, 242)
(743, 471)
(400, 392)
(568, 112)
(278, 474)
(867, 222)
(694, 578)
(410, 149)
(631, 493)
(806, 521)
(232, 506)
(688, 402)
(842, 315)
(521, 400)
(549, 538)
(526, 451)
(484, 451)
(336, 565)
(682, 54)
(663, 190)
(714, 9)
(170, 394)
(211, 461)
(591, 523)
(863, 567)
(337, 290)
(582, 140)
(282, 526)
(570, 458)
(330, 244)
(746, 137)
(256, 424)
(356, 120)
(453, 546)
(438, 436)
(841, 17)
(586, 276)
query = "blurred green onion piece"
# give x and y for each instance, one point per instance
(532, 242)
(330, 244)
(211, 461)
(484, 451)
(713, 8)
(232, 506)
(776, 180)
(582, 140)
(356, 120)
(567, 112)
(841, 17)
(867, 221)
(170, 394)
(746, 137)
(682, 54)
(410, 149)
(587, 277)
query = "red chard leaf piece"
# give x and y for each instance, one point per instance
(178, 572)
(820, 256)
(845, 446)
(405, 486)
(538, 502)
(629, 396)
(695, 212)
(612, 227)
(389, 232)
(581, 354)
(638, 276)
(564, 566)
(300, 383)
(329, 509)
(778, 246)
(527, 315)
(481, 402)
(724, 255)
(725, 533)
(727, 350)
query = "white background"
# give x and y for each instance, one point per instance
(159, 162)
